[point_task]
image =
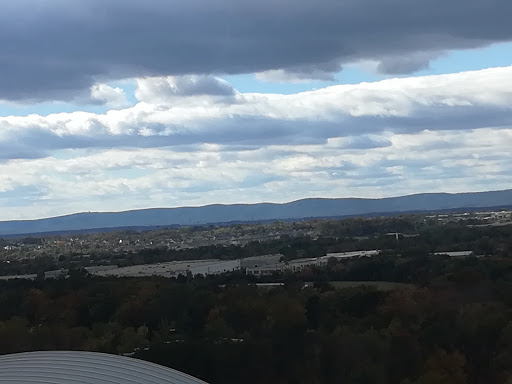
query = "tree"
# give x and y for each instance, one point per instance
(444, 368)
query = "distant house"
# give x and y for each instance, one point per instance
(455, 253)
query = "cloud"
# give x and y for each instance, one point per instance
(360, 142)
(302, 74)
(453, 161)
(65, 47)
(196, 140)
(161, 90)
(111, 97)
(191, 111)
(399, 65)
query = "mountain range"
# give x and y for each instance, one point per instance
(218, 213)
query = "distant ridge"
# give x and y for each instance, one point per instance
(219, 213)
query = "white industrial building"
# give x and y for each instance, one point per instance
(259, 266)
(260, 261)
(299, 264)
(455, 253)
(215, 268)
(346, 255)
(174, 268)
(266, 270)
(293, 266)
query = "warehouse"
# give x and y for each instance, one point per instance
(267, 270)
(347, 255)
(260, 261)
(215, 268)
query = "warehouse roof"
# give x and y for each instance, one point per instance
(85, 368)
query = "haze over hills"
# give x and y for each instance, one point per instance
(218, 213)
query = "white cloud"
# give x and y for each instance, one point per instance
(329, 112)
(427, 161)
(302, 74)
(184, 145)
(162, 90)
(109, 96)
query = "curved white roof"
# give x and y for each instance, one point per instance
(85, 368)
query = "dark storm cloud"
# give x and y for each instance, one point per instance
(405, 64)
(317, 71)
(53, 49)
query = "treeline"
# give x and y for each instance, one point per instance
(452, 325)
(370, 226)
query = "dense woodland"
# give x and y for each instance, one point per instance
(450, 321)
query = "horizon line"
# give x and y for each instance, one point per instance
(246, 204)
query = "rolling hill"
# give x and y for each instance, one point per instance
(306, 208)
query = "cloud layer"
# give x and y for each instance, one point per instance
(194, 110)
(195, 140)
(55, 49)
(386, 165)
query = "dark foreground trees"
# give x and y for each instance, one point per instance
(453, 324)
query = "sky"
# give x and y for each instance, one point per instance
(109, 105)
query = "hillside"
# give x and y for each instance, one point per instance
(306, 208)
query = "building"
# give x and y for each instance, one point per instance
(98, 268)
(260, 261)
(55, 274)
(299, 264)
(346, 255)
(455, 253)
(215, 268)
(173, 268)
(23, 277)
(266, 270)
(292, 266)
(64, 367)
